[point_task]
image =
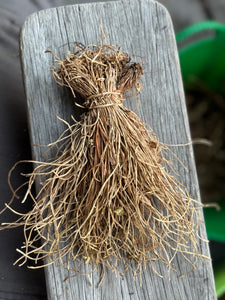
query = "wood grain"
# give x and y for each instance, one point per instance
(144, 28)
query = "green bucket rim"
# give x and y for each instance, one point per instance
(214, 230)
(204, 57)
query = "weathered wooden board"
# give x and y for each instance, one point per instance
(142, 27)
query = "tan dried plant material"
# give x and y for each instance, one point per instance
(107, 196)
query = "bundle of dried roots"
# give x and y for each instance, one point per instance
(107, 196)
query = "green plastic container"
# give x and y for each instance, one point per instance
(204, 58)
(219, 275)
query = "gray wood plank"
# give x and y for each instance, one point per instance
(142, 27)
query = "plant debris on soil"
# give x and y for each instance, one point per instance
(207, 120)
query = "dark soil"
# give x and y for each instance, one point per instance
(207, 120)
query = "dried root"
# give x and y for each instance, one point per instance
(107, 196)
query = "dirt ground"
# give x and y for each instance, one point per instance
(206, 114)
